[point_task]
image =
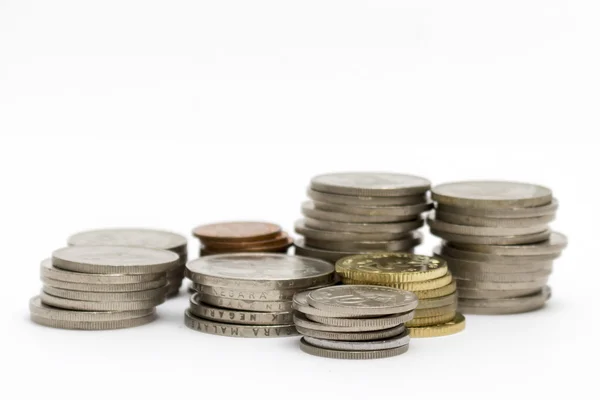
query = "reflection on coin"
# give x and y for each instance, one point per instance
(247, 305)
(401, 211)
(131, 237)
(45, 311)
(206, 311)
(390, 227)
(467, 230)
(370, 184)
(556, 243)
(93, 325)
(238, 330)
(448, 328)
(350, 355)
(492, 240)
(365, 200)
(309, 210)
(352, 336)
(390, 343)
(376, 323)
(528, 212)
(470, 220)
(237, 231)
(301, 228)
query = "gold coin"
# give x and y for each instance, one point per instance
(449, 328)
(437, 311)
(391, 267)
(410, 286)
(439, 292)
(433, 320)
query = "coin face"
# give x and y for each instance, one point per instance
(370, 184)
(237, 231)
(492, 194)
(149, 238)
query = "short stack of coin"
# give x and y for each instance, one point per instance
(140, 237)
(242, 237)
(361, 212)
(427, 277)
(354, 322)
(497, 243)
(250, 294)
(102, 287)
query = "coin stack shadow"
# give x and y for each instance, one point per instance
(101, 287)
(427, 277)
(250, 294)
(140, 237)
(497, 243)
(362, 212)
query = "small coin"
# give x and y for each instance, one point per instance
(207, 311)
(238, 330)
(506, 306)
(302, 321)
(259, 271)
(448, 328)
(467, 230)
(491, 194)
(432, 320)
(207, 248)
(88, 287)
(114, 260)
(391, 267)
(370, 184)
(406, 243)
(528, 212)
(410, 286)
(369, 201)
(438, 292)
(281, 240)
(467, 284)
(350, 355)
(47, 270)
(470, 220)
(377, 323)
(352, 336)
(362, 300)
(399, 211)
(435, 311)
(447, 250)
(383, 344)
(93, 325)
(107, 296)
(556, 243)
(131, 237)
(309, 210)
(492, 240)
(82, 305)
(237, 231)
(45, 311)
(247, 305)
(301, 228)
(494, 294)
(392, 228)
(300, 303)
(436, 302)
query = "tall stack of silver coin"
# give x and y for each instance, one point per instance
(361, 212)
(498, 244)
(250, 294)
(140, 237)
(101, 287)
(354, 321)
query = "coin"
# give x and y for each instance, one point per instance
(238, 330)
(501, 277)
(438, 292)
(377, 323)
(83, 305)
(448, 328)
(383, 344)
(528, 212)
(333, 255)
(207, 311)
(470, 220)
(309, 210)
(93, 325)
(247, 305)
(365, 200)
(491, 194)
(107, 296)
(370, 184)
(474, 267)
(467, 284)
(302, 321)
(411, 286)
(87, 287)
(45, 311)
(435, 311)
(234, 293)
(432, 320)
(300, 303)
(207, 248)
(555, 243)
(350, 355)
(301, 228)
(448, 250)
(264, 271)
(48, 271)
(492, 240)
(237, 231)
(438, 225)
(352, 336)
(495, 294)
(114, 260)
(362, 300)
(395, 228)
(407, 242)
(435, 302)
(391, 267)
(400, 211)
(281, 240)
(506, 306)
(131, 237)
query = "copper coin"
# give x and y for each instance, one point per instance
(207, 249)
(237, 231)
(280, 240)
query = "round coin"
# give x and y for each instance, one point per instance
(207, 248)
(383, 344)
(350, 355)
(247, 305)
(377, 323)
(370, 184)
(438, 225)
(368, 201)
(45, 311)
(281, 240)
(556, 243)
(470, 220)
(207, 311)
(436, 302)
(435, 311)
(448, 328)
(107, 296)
(501, 277)
(467, 284)
(438, 292)
(400, 211)
(332, 255)
(239, 294)
(448, 250)
(131, 237)
(302, 321)
(309, 210)
(395, 228)
(494, 294)
(506, 306)
(93, 325)
(47, 270)
(352, 336)
(83, 305)
(528, 212)
(87, 287)
(237, 231)
(405, 243)
(492, 240)
(410, 286)
(238, 330)
(301, 228)
(432, 320)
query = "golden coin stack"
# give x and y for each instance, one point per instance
(427, 277)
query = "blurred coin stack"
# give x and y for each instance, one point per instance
(354, 322)
(242, 237)
(497, 243)
(250, 294)
(361, 212)
(140, 237)
(427, 277)
(101, 287)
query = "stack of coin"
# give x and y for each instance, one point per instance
(102, 287)
(242, 237)
(427, 277)
(361, 212)
(250, 294)
(497, 243)
(139, 237)
(354, 321)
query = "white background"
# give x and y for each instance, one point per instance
(170, 114)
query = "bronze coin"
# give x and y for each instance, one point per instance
(282, 246)
(280, 240)
(237, 231)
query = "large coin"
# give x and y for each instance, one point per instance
(93, 325)
(391, 343)
(448, 328)
(397, 227)
(239, 294)
(370, 184)
(436, 302)
(492, 194)
(302, 321)
(107, 296)
(259, 271)
(470, 220)
(114, 260)
(309, 210)
(439, 225)
(391, 267)
(412, 211)
(468, 284)
(411, 286)
(376, 323)
(47, 270)
(350, 355)
(45, 311)
(319, 234)
(506, 306)
(406, 243)
(238, 330)
(207, 311)
(489, 267)
(352, 336)
(492, 240)
(528, 212)
(364, 200)
(556, 243)
(495, 294)
(131, 237)
(83, 305)
(501, 277)
(247, 305)
(448, 250)
(362, 300)
(332, 255)
(237, 231)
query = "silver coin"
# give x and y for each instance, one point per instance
(448, 250)
(309, 210)
(93, 325)
(107, 296)
(401, 211)
(264, 271)
(365, 200)
(114, 260)
(353, 336)
(469, 220)
(486, 285)
(393, 228)
(300, 303)
(390, 343)
(442, 226)
(377, 323)
(492, 240)
(247, 305)
(207, 311)
(47, 270)
(45, 311)
(332, 255)
(238, 330)
(362, 300)
(88, 287)
(302, 321)
(436, 302)
(500, 277)
(528, 212)
(239, 294)
(492, 194)
(495, 294)
(354, 247)
(475, 267)
(506, 306)
(370, 184)
(83, 305)
(556, 242)
(131, 237)
(301, 228)
(350, 355)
